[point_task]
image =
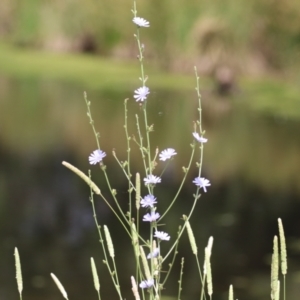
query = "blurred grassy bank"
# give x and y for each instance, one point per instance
(273, 96)
(87, 71)
(252, 36)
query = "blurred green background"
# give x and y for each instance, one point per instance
(247, 54)
(254, 35)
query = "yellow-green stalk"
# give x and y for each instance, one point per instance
(60, 286)
(95, 275)
(230, 292)
(134, 289)
(283, 255)
(155, 262)
(208, 271)
(109, 242)
(89, 182)
(191, 237)
(210, 244)
(18, 272)
(277, 295)
(145, 263)
(274, 268)
(135, 240)
(137, 190)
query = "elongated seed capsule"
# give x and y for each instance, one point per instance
(191, 238)
(208, 272)
(210, 244)
(18, 271)
(145, 263)
(137, 190)
(230, 292)
(274, 268)
(155, 260)
(95, 275)
(89, 182)
(60, 286)
(135, 240)
(277, 295)
(283, 255)
(134, 289)
(109, 242)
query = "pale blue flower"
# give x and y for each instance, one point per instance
(153, 216)
(96, 156)
(148, 201)
(199, 138)
(162, 235)
(167, 154)
(153, 254)
(145, 284)
(151, 179)
(141, 93)
(141, 22)
(201, 182)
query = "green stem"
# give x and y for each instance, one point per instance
(181, 185)
(173, 260)
(182, 229)
(200, 120)
(128, 157)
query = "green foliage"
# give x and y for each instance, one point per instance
(268, 29)
(86, 71)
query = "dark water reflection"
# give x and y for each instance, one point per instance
(252, 160)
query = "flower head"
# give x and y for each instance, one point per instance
(145, 284)
(153, 254)
(201, 182)
(162, 235)
(167, 154)
(151, 179)
(96, 156)
(199, 138)
(153, 216)
(141, 93)
(141, 22)
(148, 201)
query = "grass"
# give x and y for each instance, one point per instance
(90, 72)
(270, 96)
(274, 97)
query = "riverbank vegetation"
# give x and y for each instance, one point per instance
(253, 37)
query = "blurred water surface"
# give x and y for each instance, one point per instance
(252, 159)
